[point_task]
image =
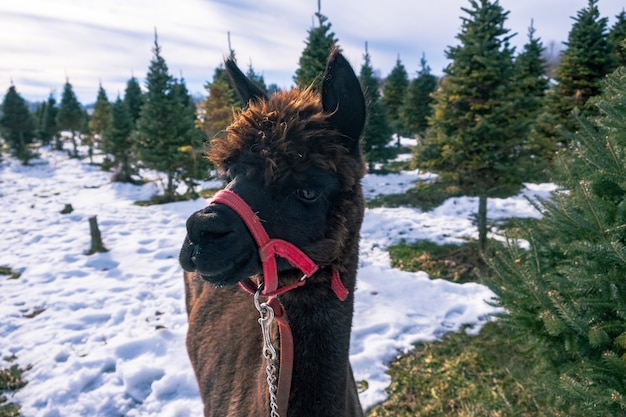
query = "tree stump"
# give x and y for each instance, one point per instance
(67, 209)
(96, 238)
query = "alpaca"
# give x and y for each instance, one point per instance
(294, 161)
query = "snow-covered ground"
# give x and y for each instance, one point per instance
(105, 334)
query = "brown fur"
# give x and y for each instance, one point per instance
(278, 143)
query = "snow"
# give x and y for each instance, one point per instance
(109, 338)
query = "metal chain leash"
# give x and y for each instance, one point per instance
(269, 353)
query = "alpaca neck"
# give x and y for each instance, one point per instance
(321, 325)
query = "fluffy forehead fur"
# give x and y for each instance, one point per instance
(283, 137)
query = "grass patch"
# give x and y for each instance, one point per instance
(10, 381)
(424, 196)
(513, 226)
(465, 376)
(492, 374)
(456, 263)
(7, 270)
(208, 192)
(161, 199)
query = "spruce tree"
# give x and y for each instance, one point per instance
(215, 112)
(394, 93)
(70, 115)
(163, 124)
(39, 112)
(100, 121)
(417, 106)
(119, 142)
(567, 292)
(313, 59)
(133, 99)
(192, 166)
(49, 129)
(474, 139)
(257, 78)
(377, 131)
(531, 81)
(617, 40)
(585, 61)
(17, 125)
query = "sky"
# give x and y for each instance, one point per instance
(93, 42)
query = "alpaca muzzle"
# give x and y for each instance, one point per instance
(270, 248)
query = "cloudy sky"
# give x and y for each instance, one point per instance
(106, 41)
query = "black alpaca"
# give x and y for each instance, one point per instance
(294, 158)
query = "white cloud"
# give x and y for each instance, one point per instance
(42, 41)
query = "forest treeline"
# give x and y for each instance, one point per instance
(520, 107)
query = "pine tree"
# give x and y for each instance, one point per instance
(257, 78)
(101, 118)
(532, 82)
(417, 106)
(313, 59)
(474, 138)
(133, 99)
(377, 131)
(163, 124)
(49, 129)
(192, 165)
(617, 40)
(70, 115)
(17, 125)
(39, 112)
(119, 142)
(394, 93)
(585, 61)
(567, 293)
(157, 125)
(216, 110)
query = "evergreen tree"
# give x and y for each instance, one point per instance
(474, 138)
(39, 112)
(49, 130)
(567, 293)
(417, 106)
(192, 165)
(163, 123)
(617, 40)
(313, 59)
(257, 78)
(585, 61)
(532, 82)
(70, 115)
(394, 92)
(101, 118)
(216, 110)
(377, 131)
(17, 125)
(133, 99)
(88, 137)
(119, 142)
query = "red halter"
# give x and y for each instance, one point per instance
(270, 248)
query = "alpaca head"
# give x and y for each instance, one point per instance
(295, 159)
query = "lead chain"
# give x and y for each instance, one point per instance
(269, 353)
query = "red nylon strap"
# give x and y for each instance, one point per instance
(268, 248)
(340, 290)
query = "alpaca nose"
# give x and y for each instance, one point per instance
(207, 226)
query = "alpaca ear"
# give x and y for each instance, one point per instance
(246, 89)
(342, 96)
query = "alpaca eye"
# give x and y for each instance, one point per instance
(307, 195)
